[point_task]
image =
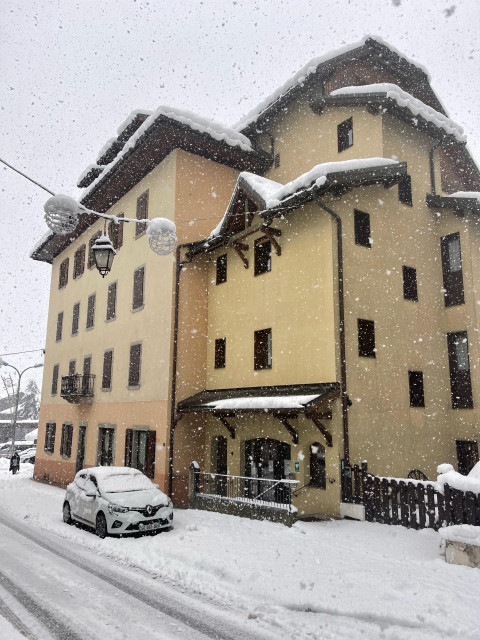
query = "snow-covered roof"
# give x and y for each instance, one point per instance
(274, 194)
(93, 169)
(406, 100)
(215, 130)
(131, 117)
(263, 402)
(311, 67)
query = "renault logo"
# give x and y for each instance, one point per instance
(149, 509)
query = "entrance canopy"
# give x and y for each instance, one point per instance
(282, 401)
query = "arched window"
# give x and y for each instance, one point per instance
(317, 466)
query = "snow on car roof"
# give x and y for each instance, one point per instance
(106, 472)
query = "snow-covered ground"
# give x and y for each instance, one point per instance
(338, 579)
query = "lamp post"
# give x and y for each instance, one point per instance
(17, 399)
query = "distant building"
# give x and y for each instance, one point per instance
(330, 317)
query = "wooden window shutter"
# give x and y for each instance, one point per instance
(112, 301)
(128, 447)
(63, 274)
(91, 311)
(58, 336)
(134, 365)
(75, 318)
(150, 454)
(107, 369)
(91, 242)
(142, 214)
(55, 379)
(138, 288)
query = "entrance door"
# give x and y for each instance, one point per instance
(219, 463)
(267, 459)
(82, 436)
(467, 455)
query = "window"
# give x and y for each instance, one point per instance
(72, 365)
(345, 134)
(91, 242)
(221, 269)
(366, 338)
(467, 455)
(66, 441)
(112, 301)
(79, 262)
(63, 274)
(410, 291)
(140, 450)
(263, 349)
(56, 368)
(107, 370)
(87, 365)
(75, 318)
(362, 228)
(138, 288)
(452, 270)
(58, 335)
(262, 256)
(415, 385)
(105, 446)
(50, 437)
(318, 476)
(220, 352)
(134, 365)
(142, 214)
(91, 311)
(405, 190)
(115, 232)
(459, 364)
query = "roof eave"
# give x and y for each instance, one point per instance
(459, 205)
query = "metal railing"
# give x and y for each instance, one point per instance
(77, 387)
(261, 491)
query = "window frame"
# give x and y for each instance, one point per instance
(345, 134)
(461, 392)
(91, 304)
(221, 269)
(108, 377)
(320, 479)
(416, 388)
(135, 382)
(262, 349)
(405, 195)
(362, 228)
(138, 292)
(220, 354)
(261, 264)
(454, 291)
(366, 338)
(49, 444)
(66, 440)
(133, 448)
(109, 316)
(141, 214)
(410, 284)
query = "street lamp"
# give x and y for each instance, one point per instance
(62, 213)
(20, 374)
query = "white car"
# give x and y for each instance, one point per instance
(116, 500)
(20, 445)
(28, 455)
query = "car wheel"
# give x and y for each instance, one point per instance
(67, 516)
(101, 526)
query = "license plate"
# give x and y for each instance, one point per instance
(150, 527)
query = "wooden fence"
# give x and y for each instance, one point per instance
(410, 503)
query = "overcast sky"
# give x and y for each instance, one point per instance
(71, 72)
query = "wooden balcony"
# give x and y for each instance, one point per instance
(77, 388)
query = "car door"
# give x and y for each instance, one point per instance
(90, 505)
(77, 495)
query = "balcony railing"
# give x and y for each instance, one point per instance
(77, 387)
(254, 491)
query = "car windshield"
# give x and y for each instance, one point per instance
(124, 482)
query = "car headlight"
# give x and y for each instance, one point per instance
(116, 508)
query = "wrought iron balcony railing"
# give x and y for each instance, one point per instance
(77, 387)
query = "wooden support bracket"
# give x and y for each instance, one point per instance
(291, 430)
(240, 248)
(315, 418)
(271, 233)
(228, 426)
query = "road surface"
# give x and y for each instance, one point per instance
(51, 590)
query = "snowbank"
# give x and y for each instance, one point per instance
(458, 481)
(465, 533)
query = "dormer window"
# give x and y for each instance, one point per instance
(345, 134)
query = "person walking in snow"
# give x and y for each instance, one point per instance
(15, 463)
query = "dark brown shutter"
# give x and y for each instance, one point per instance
(55, 379)
(221, 269)
(150, 454)
(262, 256)
(91, 311)
(405, 190)
(75, 318)
(134, 365)
(459, 365)
(58, 336)
(107, 369)
(128, 447)
(262, 349)
(366, 338)
(63, 274)
(452, 270)
(112, 301)
(91, 258)
(142, 214)
(50, 437)
(79, 262)
(138, 288)
(220, 352)
(68, 440)
(345, 134)
(362, 228)
(410, 291)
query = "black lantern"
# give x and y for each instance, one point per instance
(103, 252)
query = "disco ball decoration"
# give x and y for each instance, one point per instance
(162, 236)
(61, 214)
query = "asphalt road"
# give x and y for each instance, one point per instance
(49, 590)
